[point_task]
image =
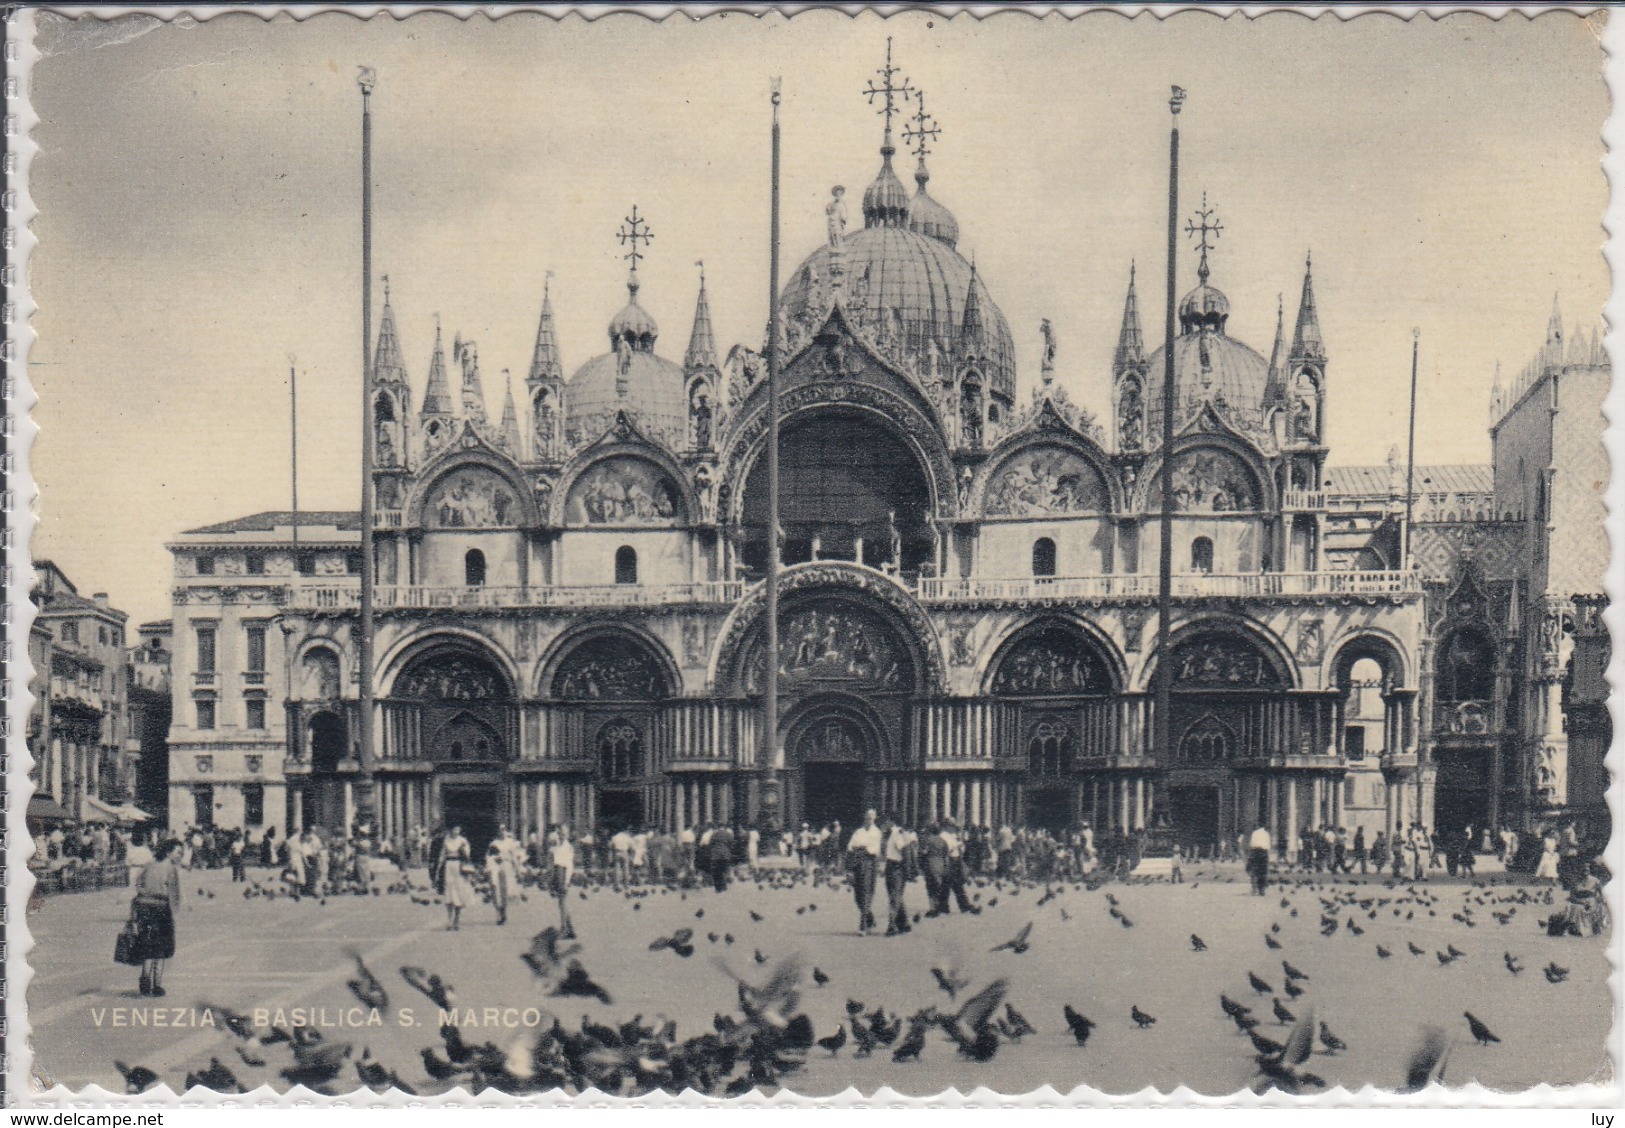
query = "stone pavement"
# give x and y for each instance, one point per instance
(278, 954)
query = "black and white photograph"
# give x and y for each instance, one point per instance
(744, 553)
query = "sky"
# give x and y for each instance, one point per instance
(198, 188)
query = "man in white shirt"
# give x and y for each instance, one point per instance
(899, 854)
(621, 844)
(863, 857)
(563, 857)
(1258, 859)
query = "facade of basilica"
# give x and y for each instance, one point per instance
(569, 603)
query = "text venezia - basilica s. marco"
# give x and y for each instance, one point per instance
(570, 615)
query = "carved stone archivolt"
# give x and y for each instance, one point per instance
(918, 634)
(1053, 661)
(1221, 662)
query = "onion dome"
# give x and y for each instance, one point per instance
(1209, 367)
(629, 378)
(885, 201)
(926, 216)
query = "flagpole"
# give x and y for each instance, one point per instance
(293, 451)
(1162, 721)
(364, 782)
(1410, 457)
(768, 814)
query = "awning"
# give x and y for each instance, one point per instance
(97, 811)
(46, 809)
(129, 812)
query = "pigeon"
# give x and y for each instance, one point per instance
(910, 1047)
(1427, 1062)
(758, 957)
(971, 1029)
(835, 1041)
(1415, 951)
(1141, 1019)
(1259, 985)
(1383, 953)
(1080, 1026)
(438, 992)
(239, 1024)
(1512, 962)
(1555, 974)
(756, 917)
(1197, 943)
(1233, 1008)
(365, 986)
(137, 1078)
(1331, 1041)
(253, 1061)
(950, 981)
(316, 1064)
(576, 981)
(545, 958)
(1019, 1026)
(1271, 943)
(1292, 972)
(1455, 953)
(1264, 1045)
(681, 942)
(1444, 960)
(216, 1078)
(438, 1066)
(1018, 943)
(819, 977)
(1282, 1015)
(1481, 1033)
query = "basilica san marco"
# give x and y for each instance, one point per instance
(570, 606)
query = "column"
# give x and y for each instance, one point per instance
(1139, 804)
(1291, 818)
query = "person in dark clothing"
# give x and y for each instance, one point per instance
(722, 851)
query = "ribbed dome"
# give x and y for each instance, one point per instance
(1208, 366)
(629, 378)
(894, 272)
(928, 217)
(650, 390)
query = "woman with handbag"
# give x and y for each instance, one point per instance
(455, 855)
(152, 917)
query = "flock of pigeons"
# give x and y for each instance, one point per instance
(769, 1036)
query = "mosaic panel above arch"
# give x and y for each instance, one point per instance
(1223, 662)
(1052, 662)
(451, 675)
(472, 497)
(832, 645)
(624, 490)
(610, 667)
(1043, 480)
(1208, 480)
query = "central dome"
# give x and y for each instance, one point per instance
(631, 378)
(902, 276)
(1209, 367)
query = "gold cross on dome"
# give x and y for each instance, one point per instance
(1202, 231)
(887, 90)
(924, 130)
(634, 230)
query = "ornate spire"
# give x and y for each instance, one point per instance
(388, 366)
(702, 343)
(467, 354)
(1275, 383)
(972, 328)
(508, 433)
(925, 215)
(1202, 231)
(885, 202)
(545, 362)
(633, 325)
(437, 396)
(1306, 342)
(1554, 327)
(1130, 341)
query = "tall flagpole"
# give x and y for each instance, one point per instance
(364, 783)
(1162, 720)
(1410, 458)
(768, 814)
(293, 451)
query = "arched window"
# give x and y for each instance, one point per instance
(383, 409)
(474, 568)
(1049, 751)
(626, 565)
(1209, 740)
(620, 752)
(1202, 556)
(1043, 557)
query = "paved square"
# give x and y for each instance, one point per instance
(278, 954)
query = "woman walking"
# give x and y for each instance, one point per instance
(455, 854)
(1547, 871)
(157, 896)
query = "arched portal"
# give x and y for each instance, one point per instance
(850, 489)
(834, 746)
(1465, 731)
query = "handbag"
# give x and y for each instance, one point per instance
(124, 947)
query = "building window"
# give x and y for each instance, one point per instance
(1043, 557)
(256, 648)
(1049, 751)
(256, 565)
(70, 632)
(352, 563)
(205, 650)
(1348, 792)
(203, 805)
(1202, 556)
(205, 713)
(205, 565)
(256, 712)
(253, 804)
(626, 565)
(474, 568)
(101, 635)
(306, 564)
(620, 752)
(1354, 742)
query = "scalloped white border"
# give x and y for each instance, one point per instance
(19, 211)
